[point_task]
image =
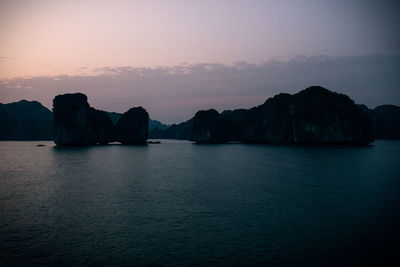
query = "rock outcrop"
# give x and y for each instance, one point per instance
(211, 127)
(232, 124)
(321, 116)
(270, 122)
(152, 123)
(76, 123)
(101, 126)
(312, 116)
(207, 127)
(132, 127)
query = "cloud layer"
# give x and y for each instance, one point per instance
(174, 94)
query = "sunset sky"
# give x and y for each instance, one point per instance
(176, 57)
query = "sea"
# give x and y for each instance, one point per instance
(183, 204)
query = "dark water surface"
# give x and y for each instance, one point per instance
(178, 203)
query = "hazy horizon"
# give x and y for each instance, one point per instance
(179, 57)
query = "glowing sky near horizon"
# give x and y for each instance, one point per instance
(44, 37)
(175, 57)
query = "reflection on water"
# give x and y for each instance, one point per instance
(179, 203)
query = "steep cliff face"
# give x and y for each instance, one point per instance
(71, 126)
(207, 127)
(321, 116)
(101, 126)
(211, 127)
(312, 116)
(232, 122)
(76, 123)
(270, 122)
(132, 127)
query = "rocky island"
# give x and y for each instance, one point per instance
(77, 124)
(132, 127)
(312, 116)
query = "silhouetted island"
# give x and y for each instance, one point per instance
(132, 127)
(77, 124)
(312, 116)
(152, 123)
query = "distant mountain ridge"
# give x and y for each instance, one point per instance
(25, 120)
(181, 131)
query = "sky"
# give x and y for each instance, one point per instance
(176, 57)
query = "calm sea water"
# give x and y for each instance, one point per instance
(178, 203)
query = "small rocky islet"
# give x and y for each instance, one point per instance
(77, 124)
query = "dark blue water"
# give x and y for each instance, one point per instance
(179, 203)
